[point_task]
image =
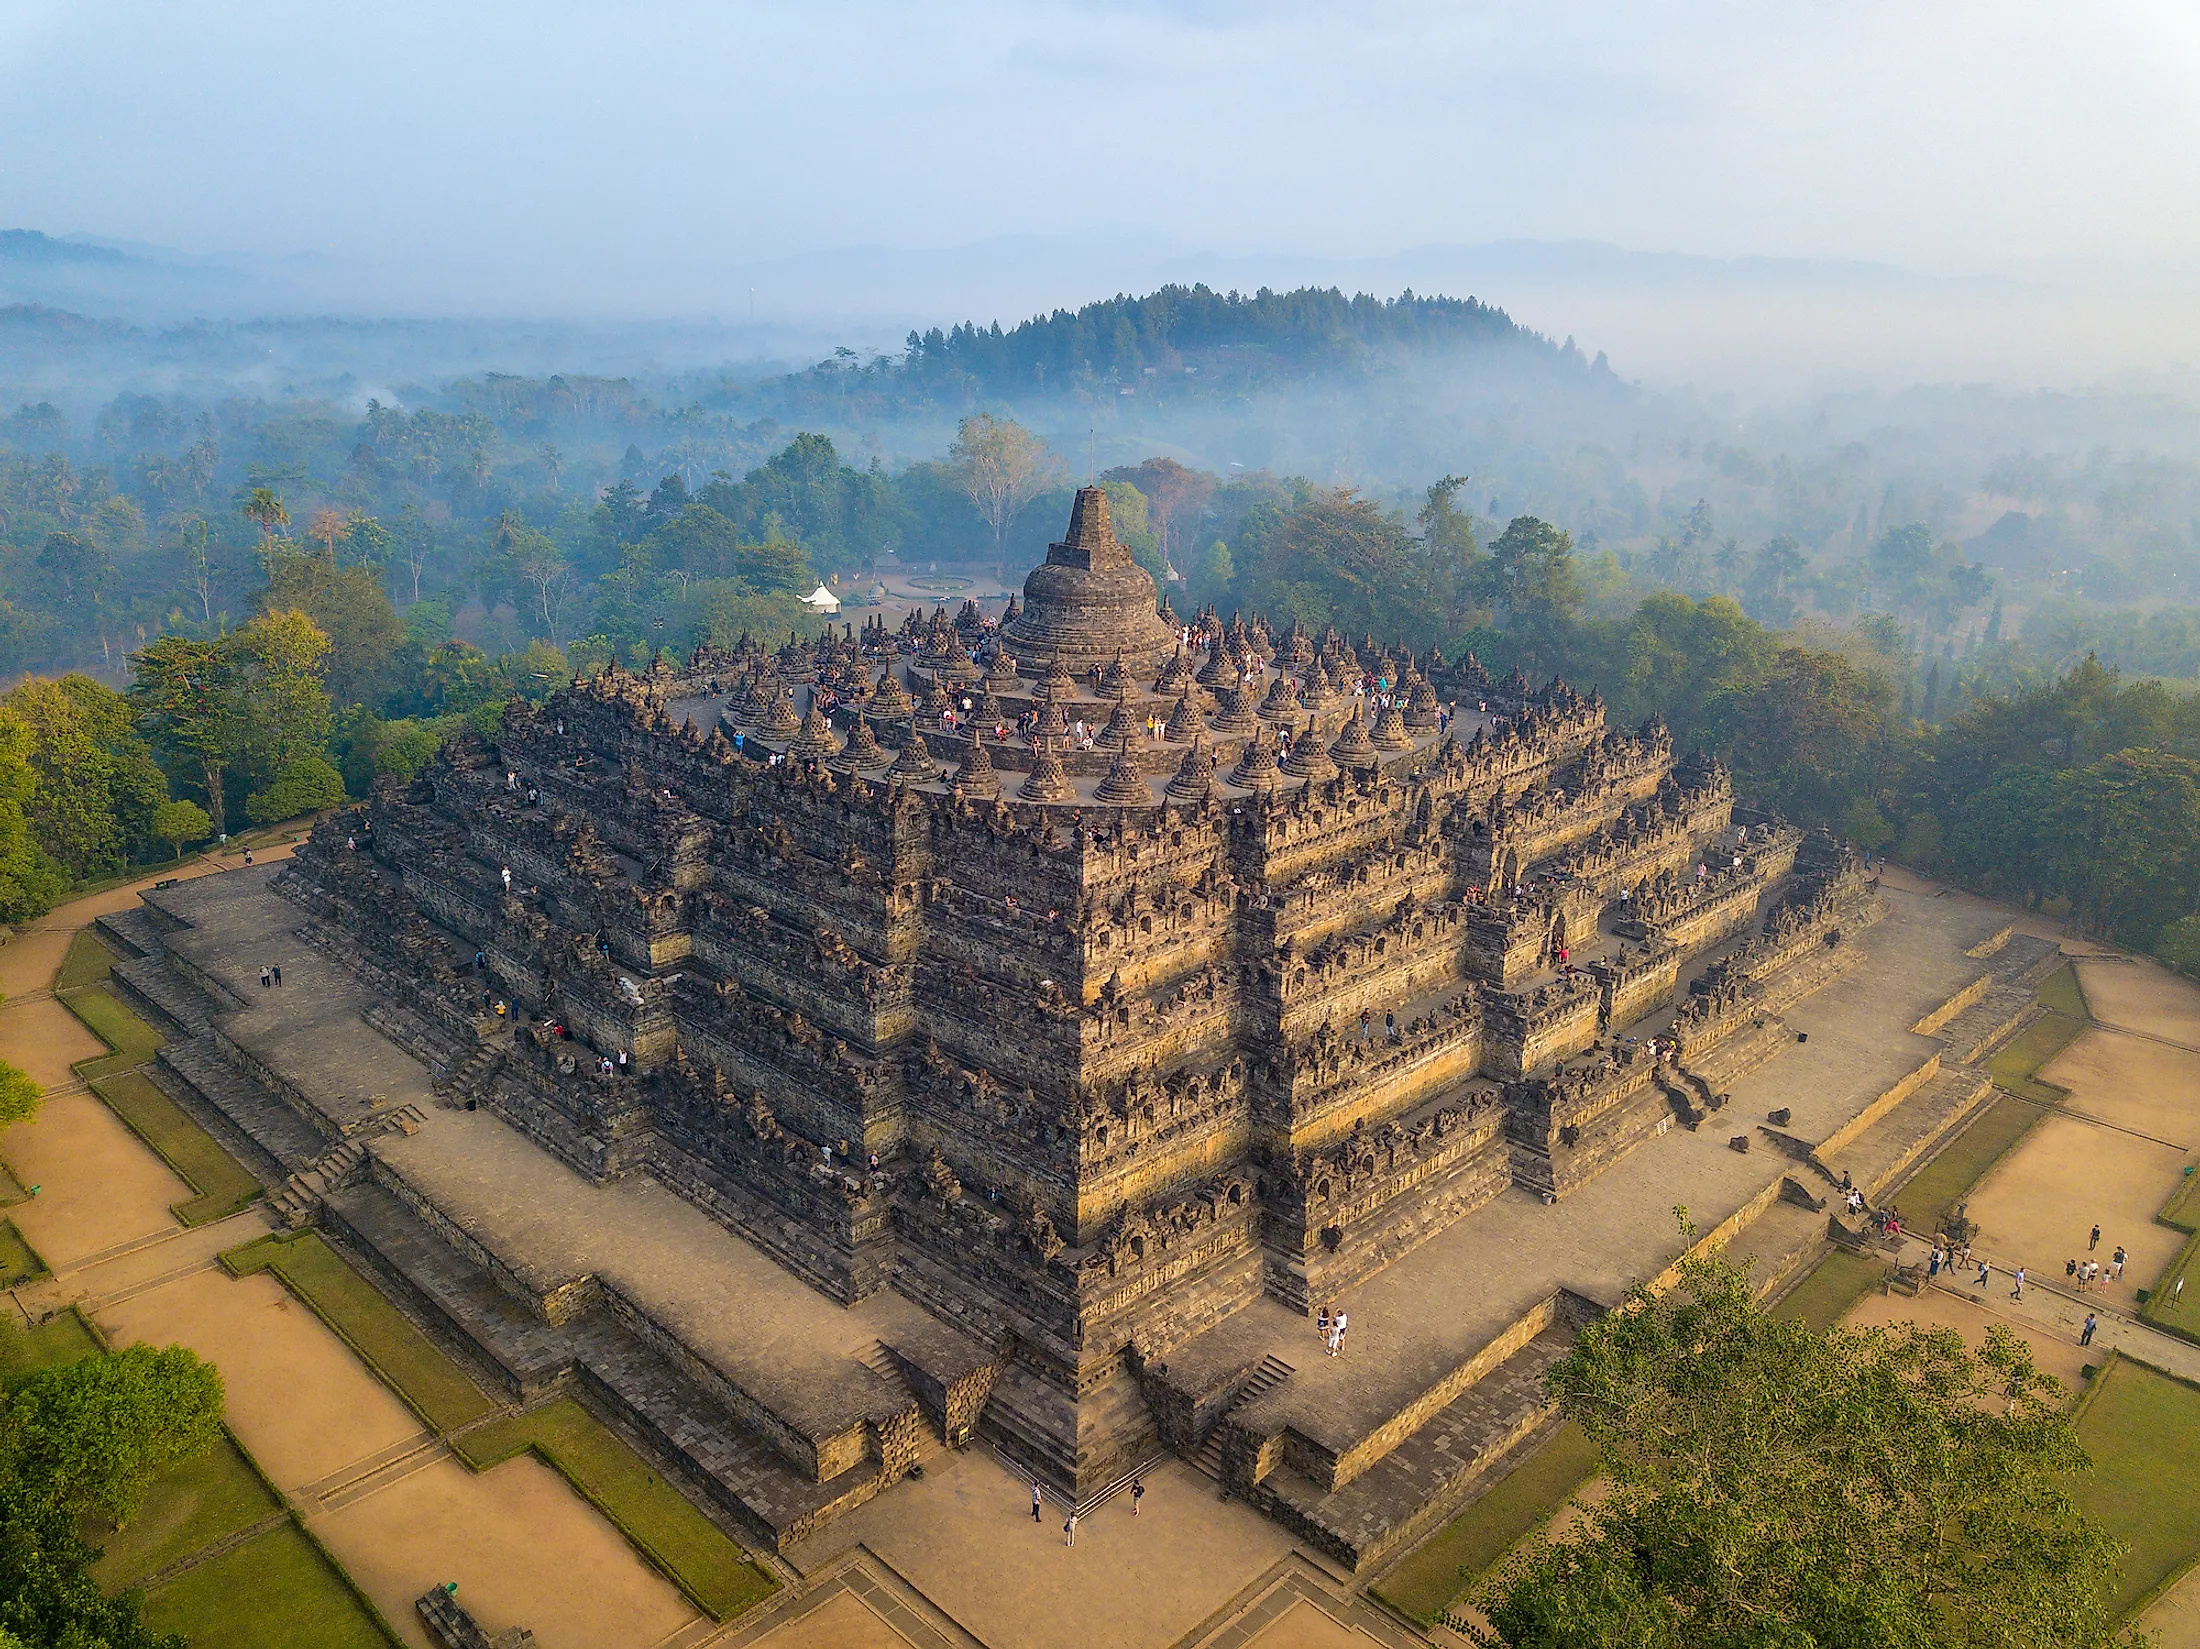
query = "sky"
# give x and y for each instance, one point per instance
(652, 157)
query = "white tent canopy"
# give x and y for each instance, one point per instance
(823, 600)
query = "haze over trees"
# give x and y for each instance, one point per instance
(300, 597)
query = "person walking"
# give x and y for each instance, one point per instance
(2017, 1293)
(2085, 1335)
(2093, 1241)
(2117, 1260)
(1035, 1498)
(1138, 1493)
(1983, 1272)
(263, 976)
(277, 972)
(1341, 1320)
(1069, 1529)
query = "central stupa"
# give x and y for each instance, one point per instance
(1088, 601)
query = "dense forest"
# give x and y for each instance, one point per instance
(229, 606)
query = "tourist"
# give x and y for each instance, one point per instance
(277, 973)
(351, 844)
(1339, 1327)
(2117, 1260)
(507, 878)
(1069, 1528)
(2017, 1293)
(263, 976)
(1035, 1498)
(1932, 1265)
(1982, 1275)
(2070, 1268)
(1138, 1493)
(2085, 1335)
(2094, 1241)
(1321, 1323)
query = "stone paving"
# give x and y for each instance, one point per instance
(1418, 1320)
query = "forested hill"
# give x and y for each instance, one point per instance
(1194, 330)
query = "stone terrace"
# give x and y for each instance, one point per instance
(308, 1037)
(769, 1334)
(1435, 1321)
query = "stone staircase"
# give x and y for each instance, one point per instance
(297, 1201)
(643, 1393)
(196, 1067)
(1683, 1103)
(151, 988)
(465, 1081)
(1268, 1374)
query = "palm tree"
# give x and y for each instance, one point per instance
(263, 507)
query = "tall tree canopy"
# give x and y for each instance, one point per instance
(1773, 1484)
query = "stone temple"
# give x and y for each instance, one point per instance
(822, 1056)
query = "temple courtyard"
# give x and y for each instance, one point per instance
(372, 1461)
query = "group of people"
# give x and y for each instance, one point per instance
(1331, 1326)
(1069, 1523)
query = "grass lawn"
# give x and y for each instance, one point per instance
(275, 1589)
(19, 1262)
(221, 1181)
(25, 1351)
(1830, 1287)
(187, 1508)
(2061, 993)
(2179, 1313)
(655, 1516)
(436, 1388)
(133, 1041)
(2015, 1067)
(1928, 1198)
(2182, 1211)
(2143, 1431)
(87, 963)
(1457, 1555)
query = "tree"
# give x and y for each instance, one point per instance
(1002, 466)
(183, 693)
(529, 563)
(351, 607)
(1130, 518)
(278, 662)
(177, 822)
(263, 507)
(97, 781)
(1773, 1484)
(1530, 580)
(87, 1437)
(307, 785)
(20, 1095)
(29, 880)
(199, 566)
(1175, 496)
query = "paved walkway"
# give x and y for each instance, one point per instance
(2051, 1308)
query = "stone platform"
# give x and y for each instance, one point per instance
(1363, 1452)
(790, 1409)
